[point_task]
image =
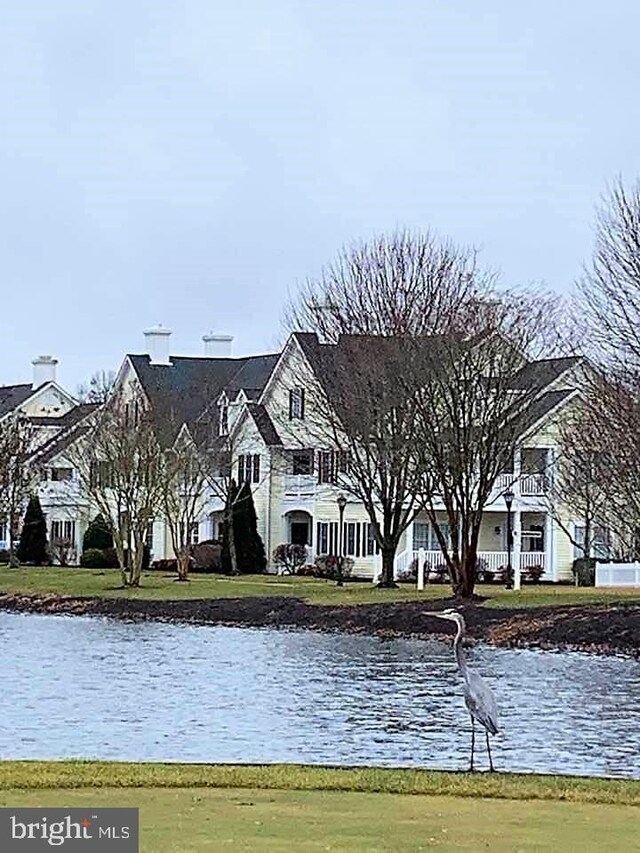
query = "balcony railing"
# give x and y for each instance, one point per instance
(299, 485)
(533, 484)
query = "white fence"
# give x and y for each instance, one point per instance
(618, 574)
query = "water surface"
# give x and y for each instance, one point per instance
(96, 688)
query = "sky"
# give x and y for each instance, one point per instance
(190, 162)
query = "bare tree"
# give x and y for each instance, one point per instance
(581, 482)
(187, 473)
(405, 284)
(99, 387)
(17, 476)
(477, 395)
(370, 309)
(120, 464)
(607, 315)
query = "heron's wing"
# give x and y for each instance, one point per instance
(481, 702)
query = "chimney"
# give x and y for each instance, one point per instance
(157, 340)
(217, 346)
(44, 370)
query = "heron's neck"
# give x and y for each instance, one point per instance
(459, 651)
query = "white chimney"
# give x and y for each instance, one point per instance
(157, 340)
(217, 346)
(44, 370)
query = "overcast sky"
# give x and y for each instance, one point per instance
(189, 161)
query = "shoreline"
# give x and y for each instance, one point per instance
(612, 629)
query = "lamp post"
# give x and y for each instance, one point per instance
(342, 502)
(508, 499)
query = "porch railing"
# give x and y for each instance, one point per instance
(493, 561)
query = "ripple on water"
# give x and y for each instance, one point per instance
(95, 688)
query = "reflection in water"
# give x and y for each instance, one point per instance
(92, 688)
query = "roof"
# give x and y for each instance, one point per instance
(182, 391)
(544, 405)
(71, 429)
(264, 424)
(544, 371)
(68, 419)
(12, 396)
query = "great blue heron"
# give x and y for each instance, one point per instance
(477, 694)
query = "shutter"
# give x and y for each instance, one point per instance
(301, 391)
(290, 405)
(256, 468)
(241, 469)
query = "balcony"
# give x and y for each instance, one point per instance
(533, 484)
(300, 486)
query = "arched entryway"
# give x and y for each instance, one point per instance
(299, 527)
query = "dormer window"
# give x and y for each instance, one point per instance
(296, 404)
(223, 422)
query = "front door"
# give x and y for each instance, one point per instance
(300, 532)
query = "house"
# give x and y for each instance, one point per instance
(261, 410)
(55, 415)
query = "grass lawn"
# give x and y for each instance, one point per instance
(276, 808)
(155, 585)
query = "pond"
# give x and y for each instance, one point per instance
(97, 688)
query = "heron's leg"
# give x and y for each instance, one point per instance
(473, 741)
(491, 768)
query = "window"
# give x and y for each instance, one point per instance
(249, 468)
(358, 539)
(60, 474)
(326, 466)
(3, 530)
(600, 542)
(302, 461)
(63, 531)
(296, 404)
(148, 539)
(101, 475)
(223, 423)
(532, 540)
(193, 534)
(424, 536)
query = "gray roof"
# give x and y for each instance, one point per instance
(264, 423)
(183, 391)
(72, 428)
(544, 371)
(12, 396)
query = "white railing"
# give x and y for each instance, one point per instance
(504, 482)
(532, 558)
(618, 574)
(494, 561)
(533, 484)
(299, 485)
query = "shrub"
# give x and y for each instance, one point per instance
(410, 574)
(4, 555)
(92, 558)
(110, 558)
(326, 566)
(167, 565)
(207, 556)
(534, 573)
(289, 557)
(438, 573)
(61, 551)
(306, 571)
(97, 535)
(584, 571)
(33, 538)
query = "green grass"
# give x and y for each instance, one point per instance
(191, 808)
(106, 583)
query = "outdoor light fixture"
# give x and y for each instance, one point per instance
(508, 499)
(342, 502)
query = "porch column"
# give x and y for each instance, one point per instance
(549, 548)
(409, 540)
(517, 529)
(517, 470)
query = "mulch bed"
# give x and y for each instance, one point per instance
(603, 629)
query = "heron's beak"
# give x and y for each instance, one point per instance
(433, 613)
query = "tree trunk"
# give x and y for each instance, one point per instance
(183, 563)
(388, 559)
(232, 548)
